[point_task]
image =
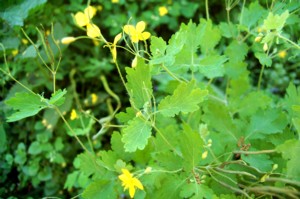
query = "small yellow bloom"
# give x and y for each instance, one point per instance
(162, 10)
(73, 115)
(129, 182)
(15, 52)
(282, 54)
(136, 33)
(115, 1)
(93, 30)
(258, 38)
(67, 40)
(94, 98)
(25, 41)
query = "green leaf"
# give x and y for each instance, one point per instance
(45, 174)
(252, 15)
(118, 146)
(136, 134)
(209, 35)
(211, 66)
(104, 189)
(71, 180)
(191, 146)
(290, 151)
(228, 30)
(259, 161)
(3, 140)
(88, 164)
(236, 51)
(158, 47)
(275, 22)
(58, 98)
(185, 99)
(14, 17)
(124, 117)
(20, 154)
(270, 121)
(35, 148)
(196, 191)
(109, 159)
(264, 59)
(139, 84)
(26, 105)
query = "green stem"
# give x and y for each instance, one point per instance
(255, 152)
(260, 77)
(289, 41)
(70, 128)
(170, 73)
(206, 9)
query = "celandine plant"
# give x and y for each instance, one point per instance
(183, 136)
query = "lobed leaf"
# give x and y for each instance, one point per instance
(185, 99)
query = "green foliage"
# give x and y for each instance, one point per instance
(209, 109)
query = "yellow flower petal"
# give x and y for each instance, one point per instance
(81, 19)
(94, 98)
(117, 38)
(73, 115)
(115, 1)
(140, 26)
(90, 12)
(144, 36)
(282, 54)
(93, 30)
(162, 10)
(131, 192)
(129, 29)
(137, 183)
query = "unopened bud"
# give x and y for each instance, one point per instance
(148, 170)
(67, 40)
(258, 38)
(265, 47)
(204, 154)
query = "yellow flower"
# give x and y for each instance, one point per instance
(67, 40)
(282, 54)
(83, 18)
(15, 52)
(115, 1)
(136, 33)
(162, 10)
(93, 30)
(25, 41)
(73, 115)
(94, 98)
(129, 182)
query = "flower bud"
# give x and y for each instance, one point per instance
(67, 40)
(265, 47)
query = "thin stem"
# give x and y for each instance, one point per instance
(255, 152)
(235, 172)
(206, 9)
(170, 73)
(165, 139)
(289, 41)
(70, 128)
(260, 77)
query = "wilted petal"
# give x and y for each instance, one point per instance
(81, 19)
(93, 30)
